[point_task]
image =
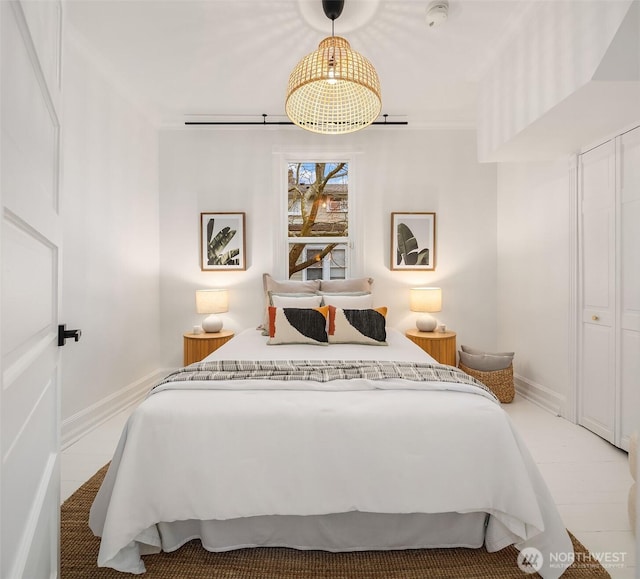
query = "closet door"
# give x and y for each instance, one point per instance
(597, 268)
(629, 292)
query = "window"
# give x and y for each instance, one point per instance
(318, 214)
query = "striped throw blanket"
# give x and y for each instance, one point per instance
(321, 371)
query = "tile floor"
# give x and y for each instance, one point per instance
(588, 478)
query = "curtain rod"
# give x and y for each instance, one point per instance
(265, 122)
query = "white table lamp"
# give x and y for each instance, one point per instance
(212, 301)
(426, 300)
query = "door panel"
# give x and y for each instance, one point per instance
(598, 237)
(30, 263)
(24, 481)
(43, 19)
(30, 233)
(629, 386)
(29, 126)
(42, 559)
(25, 389)
(630, 224)
(630, 257)
(598, 381)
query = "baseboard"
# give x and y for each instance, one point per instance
(76, 426)
(539, 394)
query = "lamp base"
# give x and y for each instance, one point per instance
(212, 324)
(425, 323)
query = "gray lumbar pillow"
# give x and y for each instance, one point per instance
(470, 350)
(486, 362)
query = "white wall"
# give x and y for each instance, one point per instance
(110, 262)
(397, 170)
(534, 213)
(556, 52)
(622, 59)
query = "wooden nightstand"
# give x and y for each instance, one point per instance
(198, 346)
(440, 345)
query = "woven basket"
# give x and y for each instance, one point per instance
(500, 382)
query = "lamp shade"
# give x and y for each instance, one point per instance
(333, 90)
(425, 299)
(212, 301)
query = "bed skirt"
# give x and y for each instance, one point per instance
(354, 531)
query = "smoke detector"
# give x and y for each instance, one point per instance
(437, 12)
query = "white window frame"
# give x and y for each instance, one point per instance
(354, 242)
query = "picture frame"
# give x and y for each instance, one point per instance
(413, 241)
(222, 241)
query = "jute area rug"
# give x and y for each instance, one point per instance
(80, 552)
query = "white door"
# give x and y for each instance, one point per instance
(596, 255)
(629, 292)
(30, 251)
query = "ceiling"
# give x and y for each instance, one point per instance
(231, 59)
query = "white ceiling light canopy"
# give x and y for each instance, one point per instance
(334, 89)
(437, 12)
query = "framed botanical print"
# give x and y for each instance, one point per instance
(413, 241)
(222, 241)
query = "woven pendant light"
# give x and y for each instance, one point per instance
(334, 89)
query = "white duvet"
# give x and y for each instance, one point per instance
(241, 450)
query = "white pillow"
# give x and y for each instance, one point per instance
(345, 302)
(305, 302)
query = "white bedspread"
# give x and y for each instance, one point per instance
(240, 452)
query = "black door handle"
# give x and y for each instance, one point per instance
(64, 334)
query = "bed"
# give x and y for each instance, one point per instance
(338, 464)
